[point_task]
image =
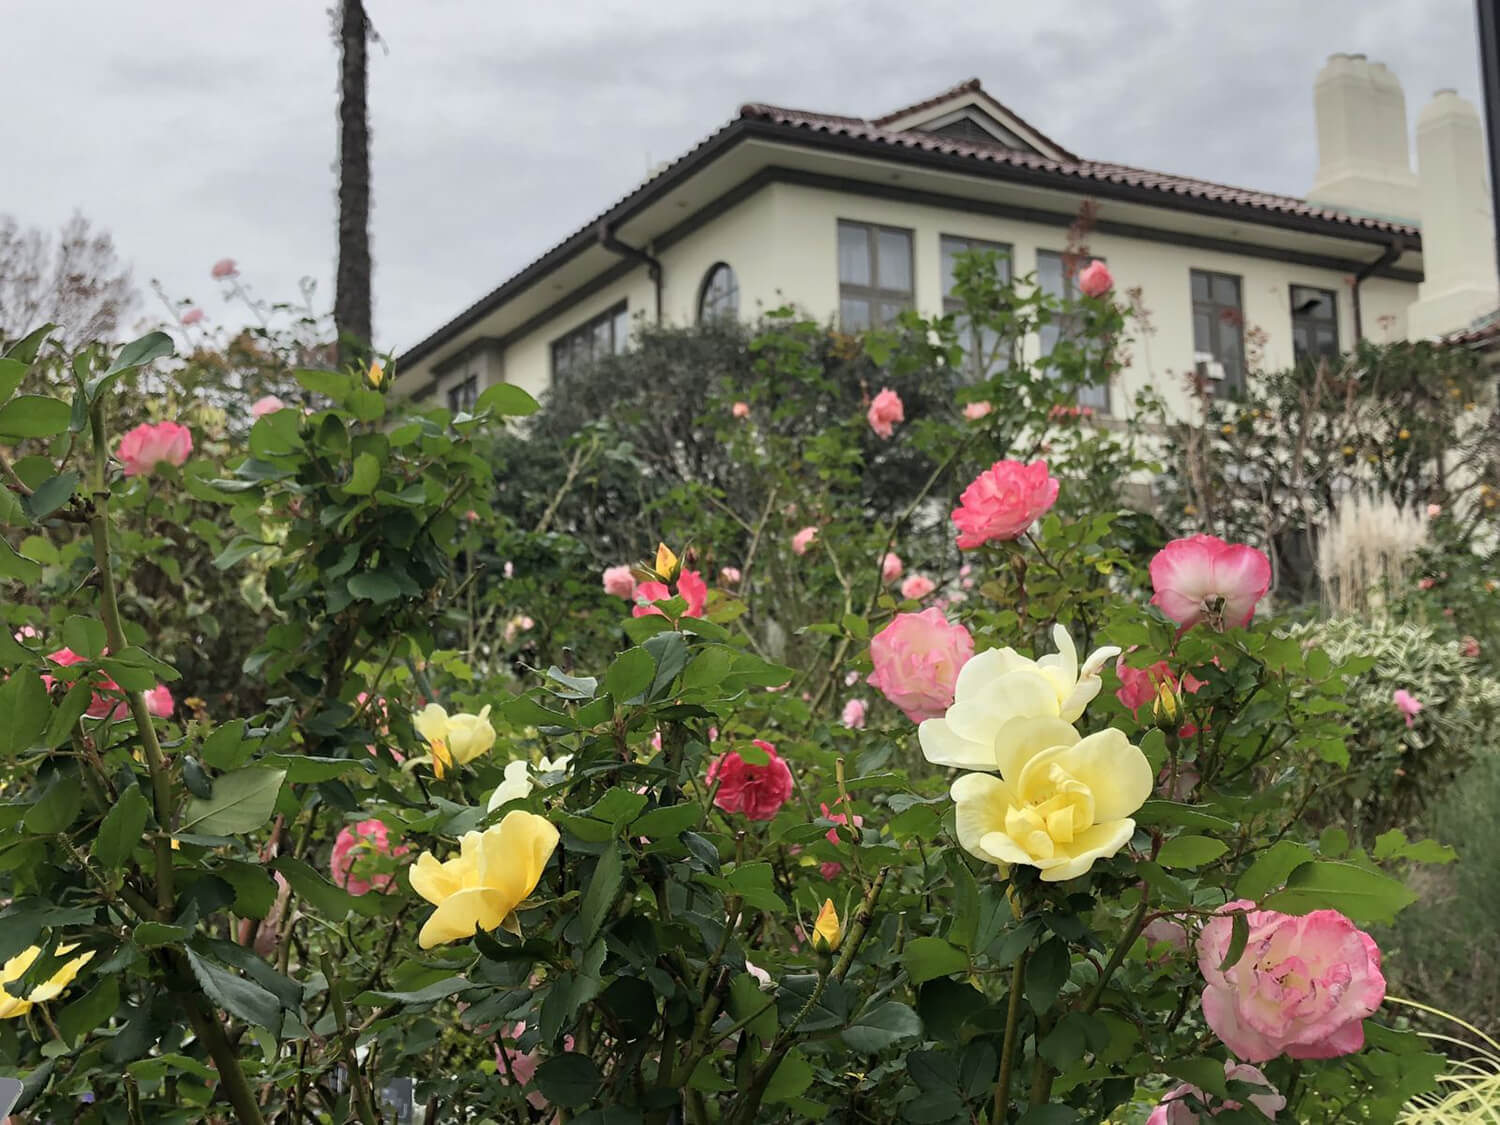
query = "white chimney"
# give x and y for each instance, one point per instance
(1364, 162)
(1458, 232)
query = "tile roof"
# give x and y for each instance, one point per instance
(1081, 170)
(972, 86)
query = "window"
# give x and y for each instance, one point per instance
(606, 334)
(1055, 273)
(719, 299)
(462, 396)
(1219, 324)
(1315, 323)
(980, 345)
(875, 275)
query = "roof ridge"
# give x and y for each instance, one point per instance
(965, 87)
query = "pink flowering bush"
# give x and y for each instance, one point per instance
(1003, 502)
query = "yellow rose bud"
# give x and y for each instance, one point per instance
(12, 1007)
(666, 562)
(1403, 434)
(481, 887)
(376, 374)
(826, 931)
(1167, 708)
(455, 739)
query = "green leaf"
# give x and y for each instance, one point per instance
(365, 475)
(1367, 897)
(964, 928)
(1393, 845)
(1239, 936)
(329, 384)
(1184, 816)
(365, 404)
(26, 710)
(878, 1028)
(671, 653)
(85, 636)
(569, 1080)
(226, 748)
(12, 511)
(57, 808)
(928, 957)
(12, 371)
(254, 889)
(23, 570)
(331, 901)
(33, 416)
(421, 997)
(51, 495)
(1190, 851)
(242, 802)
(239, 548)
(89, 1010)
(604, 884)
(793, 1075)
(137, 353)
(27, 348)
(630, 674)
(121, 829)
(242, 998)
(1046, 972)
(667, 821)
(747, 1001)
(302, 769)
(506, 399)
(374, 585)
(1204, 1073)
(1271, 869)
(149, 935)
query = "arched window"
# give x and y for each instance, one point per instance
(719, 299)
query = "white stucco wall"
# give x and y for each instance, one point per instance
(783, 246)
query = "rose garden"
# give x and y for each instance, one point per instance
(782, 726)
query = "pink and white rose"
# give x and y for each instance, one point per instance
(890, 567)
(619, 582)
(1203, 578)
(1176, 1109)
(977, 410)
(916, 587)
(853, 715)
(917, 658)
(266, 404)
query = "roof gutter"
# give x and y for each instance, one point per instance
(610, 242)
(1394, 250)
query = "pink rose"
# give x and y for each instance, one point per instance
(756, 791)
(1469, 647)
(266, 404)
(223, 268)
(885, 411)
(838, 818)
(1408, 704)
(890, 567)
(619, 582)
(1003, 501)
(916, 587)
(513, 1063)
(1175, 1109)
(100, 706)
(730, 575)
(192, 316)
(159, 702)
(1303, 986)
(1426, 583)
(353, 848)
(829, 869)
(854, 714)
(691, 587)
(803, 540)
(740, 410)
(1094, 279)
(1138, 686)
(1206, 579)
(1164, 931)
(1434, 510)
(917, 658)
(977, 410)
(147, 446)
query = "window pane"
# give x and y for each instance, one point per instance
(1327, 341)
(894, 263)
(854, 314)
(1226, 290)
(1097, 397)
(854, 254)
(889, 312)
(1050, 333)
(1049, 273)
(1203, 332)
(1200, 285)
(621, 330)
(1229, 350)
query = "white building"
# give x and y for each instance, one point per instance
(850, 220)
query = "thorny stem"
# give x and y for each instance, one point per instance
(1008, 1050)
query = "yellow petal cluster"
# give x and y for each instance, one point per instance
(481, 887)
(13, 1007)
(667, 563)
(455, 739)
(827, 933)
(1001, 687)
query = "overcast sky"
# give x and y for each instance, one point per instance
(195, 131)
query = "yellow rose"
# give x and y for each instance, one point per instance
(454, 738)
(666, 563)
(482, 885)
(1000, 687)
(13, 1007)
(1060, 803)
(826, 931)
(375, 374)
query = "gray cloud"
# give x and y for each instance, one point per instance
(195, 132)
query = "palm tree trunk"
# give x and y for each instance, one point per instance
(351, 301)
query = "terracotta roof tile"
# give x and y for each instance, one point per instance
(972, 86)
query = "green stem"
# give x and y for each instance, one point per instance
(236, 1087)
(1008, 1050)
(364, 1106)
(1132, 931)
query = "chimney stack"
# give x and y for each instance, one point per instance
(1364, 162)
(1458, 232)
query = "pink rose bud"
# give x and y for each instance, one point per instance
(851, 678)
(977, 410)
(1003, 501)
(147, 446)
(854, 714)
(267, 404)
(803, 540)
(756, 791)
(916, 660)
(740, 410)
(619, 582)
(890, 567)
(885, 411)
(730, 575)
(1434, 510)
(223, 268)
(1094, 279)
(192, 316)
(1204, 578)
(916, 587)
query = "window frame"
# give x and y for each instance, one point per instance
(462, 396)
(1233, 379)
(1095, 397)
(1332, 320)
(874, 295)
(952, 306)
(730, 313)
(586, 334)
